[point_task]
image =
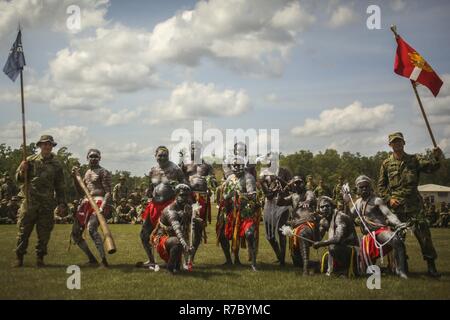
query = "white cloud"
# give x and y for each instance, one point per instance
(33, 14)
(116, 58)
(124, 116)
(128, 152)
(397, 5)
(353, 118)
(250, 36)
(11, 133)
(192, 100)
(444, 144)
(271, 97)
(438, 108)
(71, 136)
(342, 16)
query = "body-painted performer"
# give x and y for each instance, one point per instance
(378, 220)
(98, 181)
(163, 178)
(341, 240)
(240, 151)
(273, 179)
(201, 179)
(170, 237)
(237, 220)
(304, 221)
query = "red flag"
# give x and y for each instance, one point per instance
(410, 64)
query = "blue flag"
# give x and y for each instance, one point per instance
(16, 59)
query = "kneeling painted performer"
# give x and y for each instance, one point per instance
(163, 178)
(273, 179)
(341, 240)
(98, 181)
(376, 223)
(170, 237)
(304, 221)
(238, 220)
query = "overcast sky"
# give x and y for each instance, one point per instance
(137, 70)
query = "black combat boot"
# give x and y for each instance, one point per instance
(40, 262)
(18, 263)
(432, 272)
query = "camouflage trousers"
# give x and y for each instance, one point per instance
(39, 213)
(421, 230)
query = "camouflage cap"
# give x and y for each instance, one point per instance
(46, 138)
(15, 198)
(396, 135)
(123, 200)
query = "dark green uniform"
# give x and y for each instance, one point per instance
(399, 179)
(4, 214)
(337, 196)
(46, 191)
(310, 184)
(8, 190)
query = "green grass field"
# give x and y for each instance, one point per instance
(208, 280)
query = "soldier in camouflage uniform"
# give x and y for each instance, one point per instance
(337, 194)
(397, 184)
(4, 214)
(139, 210)
(120, 190)
(319, 191)
(62, 216)
(13, 208)
(310, 183)
(8, 188)
(124, 211)
(45, 192)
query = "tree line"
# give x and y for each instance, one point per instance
(328, 165)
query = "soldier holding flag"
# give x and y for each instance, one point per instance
(400, 173)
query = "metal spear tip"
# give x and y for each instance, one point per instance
(394, 29)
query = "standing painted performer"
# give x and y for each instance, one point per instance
(273, 180)
(342, 238)
(163, 179)
(45, 192)
(170, 237)
(240, 151)
(304, 221)
(201, 179)
(397, 185)
(378, 220)
(98, 181)
(238, 220)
